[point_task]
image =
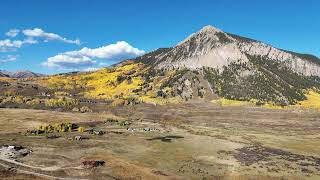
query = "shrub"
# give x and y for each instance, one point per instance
(18, 100)
(123, 123)
(61, 102)
(131, 100)
(34, 102)
(109, 119)
(81, 129)
(75, 109)
(61, 93)
(121, 78)
(59, 127)
(201, 92)
(2, 99)
(13, 99)
(85, 109)
(10, 93)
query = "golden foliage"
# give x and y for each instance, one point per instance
(100, 84)
(229, 102)
(34, 102)
(312, 102)
(18, 100)
(160, 101)
(59, 127)
(60, 102)
(117, 84)
(85, 109)
(14, 99)
(81, 129)
(61, 93)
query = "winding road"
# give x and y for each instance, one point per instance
(18, 167)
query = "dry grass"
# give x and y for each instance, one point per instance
(198, 137)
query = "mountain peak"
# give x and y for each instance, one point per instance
(212, 47)
(210, 28)
(205, 32)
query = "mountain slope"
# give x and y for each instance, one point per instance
(21, 74)
(236, 67)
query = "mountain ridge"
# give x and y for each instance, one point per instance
(20, 74)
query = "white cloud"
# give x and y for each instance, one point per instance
(119, 50)
(29, 40)
(9, 58)
(11, 45)
(90, 69)
(62, 61)
(13, 32)
(37, 32)
(103, 64)
(87, 57)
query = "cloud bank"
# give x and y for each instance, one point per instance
(37, 32)
(11, 45)
(13, 32)
(31, 37)
(8, 58)
(87, 57)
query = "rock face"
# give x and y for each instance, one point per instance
(211, 47)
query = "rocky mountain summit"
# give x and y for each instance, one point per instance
(236, 67)
(211, 47)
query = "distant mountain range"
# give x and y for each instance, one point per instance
(19, 74)
(3, 75)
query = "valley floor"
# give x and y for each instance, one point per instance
(189, 141)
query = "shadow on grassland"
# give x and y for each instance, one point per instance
(165, 138)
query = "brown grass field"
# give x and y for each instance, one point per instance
(191, 141)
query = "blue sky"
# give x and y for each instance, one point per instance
(59, 36)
